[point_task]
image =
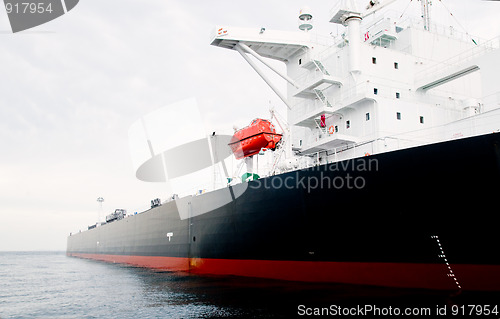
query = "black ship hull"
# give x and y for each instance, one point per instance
(424, 217)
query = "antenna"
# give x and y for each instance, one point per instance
(99, 200)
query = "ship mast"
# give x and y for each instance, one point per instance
(425, 14)
(99, 213)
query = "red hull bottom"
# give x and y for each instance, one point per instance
(401, 275)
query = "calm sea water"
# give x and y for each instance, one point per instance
(52, 285)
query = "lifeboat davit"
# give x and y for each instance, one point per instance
(251, 139)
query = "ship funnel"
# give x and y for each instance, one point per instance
(305, 19)
(348, 15)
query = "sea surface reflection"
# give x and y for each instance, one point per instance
(52, 285)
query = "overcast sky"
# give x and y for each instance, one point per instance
(70, 89)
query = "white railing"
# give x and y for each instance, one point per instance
(416, 22)
(320, 39)
(327, 52)
(366, 90)
(457, 60)
(484, 123)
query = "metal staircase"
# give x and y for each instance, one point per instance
(320, 67)
(322, 98)
(317, 91)
(318, 124)
(314, 80)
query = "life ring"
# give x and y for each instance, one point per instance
(331, 129)
(367, 154)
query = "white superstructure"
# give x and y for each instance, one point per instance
(381, 86)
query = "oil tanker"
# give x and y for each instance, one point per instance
(378, 177)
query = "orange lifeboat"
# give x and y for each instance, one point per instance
(251, 139)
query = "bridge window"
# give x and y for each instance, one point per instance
(398, 115)
(374, 60)
(421, 120)
(396, 65)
